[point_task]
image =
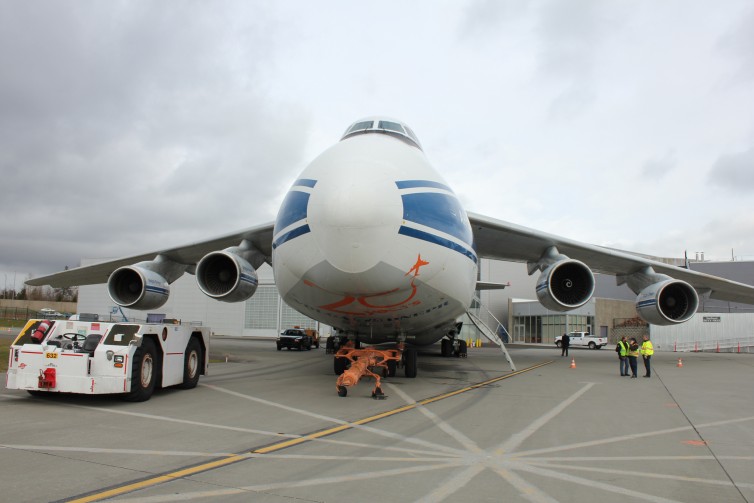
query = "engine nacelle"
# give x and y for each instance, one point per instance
(225, 276)
(667, 302)
(138, 288)
(564, 285)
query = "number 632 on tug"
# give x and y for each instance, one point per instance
(94, 358)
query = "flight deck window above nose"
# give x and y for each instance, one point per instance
(359, 126)
(392, 128)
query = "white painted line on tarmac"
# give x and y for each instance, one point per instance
(633, 436)
(249, 455)
(386, 474)
(516, 440)
(526, 490)
(452, 485)
(410, 440)
(593, 484)
(680, 478)
(461, 438)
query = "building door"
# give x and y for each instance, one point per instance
(519, 333)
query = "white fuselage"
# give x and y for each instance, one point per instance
(372, 241)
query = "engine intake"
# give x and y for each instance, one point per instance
(138, 288)
(225, 276)
(564, 285)
(667, 302)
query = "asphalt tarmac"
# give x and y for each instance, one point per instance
(268, 426)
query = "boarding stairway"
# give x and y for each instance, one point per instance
(490, 334)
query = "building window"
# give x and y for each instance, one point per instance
(290, 318)
(262, 309)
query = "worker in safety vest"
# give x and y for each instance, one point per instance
(633, 355)
(622, 350)
(647, 350)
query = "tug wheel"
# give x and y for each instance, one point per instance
(143, 372)
(192, 364)
(342, 391)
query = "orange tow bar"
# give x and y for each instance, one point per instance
(363, 364)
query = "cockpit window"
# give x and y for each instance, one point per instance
(359, 126)
(392, 128)
(411, 134)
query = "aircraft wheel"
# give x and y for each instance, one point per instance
(462, 351)
(392, 365)
(409, 362)
(340, 365)
(446, 347)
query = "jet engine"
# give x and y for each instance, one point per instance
(224, 275)
(137, 287)
(565, 284)
(667, 302)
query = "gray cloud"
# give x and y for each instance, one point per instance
(136, 119)
(659, 167)
(734, 171)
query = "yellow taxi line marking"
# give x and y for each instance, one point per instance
(117, 491)
(160, 479)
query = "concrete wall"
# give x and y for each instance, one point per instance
(610, 310)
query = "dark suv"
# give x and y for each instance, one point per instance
(294, 338)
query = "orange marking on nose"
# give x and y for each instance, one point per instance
(419, 263)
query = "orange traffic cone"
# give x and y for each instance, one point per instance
(573, 363)
(680, 363)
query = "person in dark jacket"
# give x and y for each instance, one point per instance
(565, 342)
(633, 355)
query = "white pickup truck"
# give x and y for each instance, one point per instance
(584, 340)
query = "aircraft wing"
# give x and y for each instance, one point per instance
(501, 240)
(190, 254)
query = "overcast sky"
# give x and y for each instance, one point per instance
(132, 126)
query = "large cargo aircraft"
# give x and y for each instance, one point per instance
(373, 242)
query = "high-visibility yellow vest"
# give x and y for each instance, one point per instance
(623, 348)
(633, 352)
(647, 349)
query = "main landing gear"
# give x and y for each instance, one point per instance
(453, 347)
(351, 364)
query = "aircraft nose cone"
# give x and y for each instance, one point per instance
(355, 217)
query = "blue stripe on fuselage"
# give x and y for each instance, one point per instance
(442, 212)
(293, 209)
(299, 231)
(431, 238)
(305, 182)
(413, 184)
